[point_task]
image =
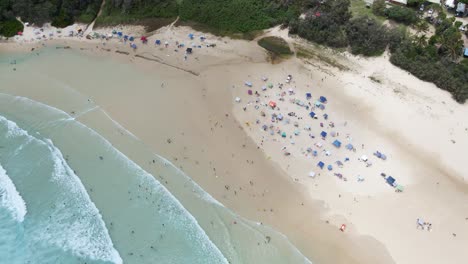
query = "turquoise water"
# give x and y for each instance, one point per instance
(69, 194)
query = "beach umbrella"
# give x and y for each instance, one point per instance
(315, 153)
(323, 134)
(190, 36)
(312, 174)
(249, 84)
(312, 114)
(270, 85)
(280, 117)
(317, 103)
(349, 147)
(283, 134)
(272, 104)
(131, 38)
(325, 116)
(264, 88)
(330, 167)
(144, 39)
(125, 37)
(249, 92)
(308, 95)
(296, 132)
(120, 34)
(323, 99)
(320, 164)
(238, 99)
(333, 134)
(114, 31)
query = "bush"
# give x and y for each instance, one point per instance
(10, 28)
(402, 14)
(425, 65)
(378, 7)
(275, 45)
(366, 36)
(326, 24)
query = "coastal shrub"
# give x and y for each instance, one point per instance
(61, 13)
(276, 46)
(378, 7)
(238, 15)
(402, 14)
(424, 64)
(9, 28)
(325, 23)
(366, 36)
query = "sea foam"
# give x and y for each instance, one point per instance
(85, 236)
(10, 198)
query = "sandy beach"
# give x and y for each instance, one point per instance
(203, 119)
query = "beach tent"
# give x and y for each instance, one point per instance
(158, 42)
(325, 116)
(349, 147)
(270, 85)
(238, 99)
(308, 95)
(312, 114)
(189, 50)
(133, 45)
(330, 167)
(317, 103)
(465, 52)
(321, 106)
(280, 117)
(283, 134)
(314, 153)
(120, 34)
(323, 134)
(190, 36)
(339, 163)
(312, 174)
(125, 37)
(321, 164)
(337, 143)
(318, 144)
(390, 180)
(249, 84)
(333, 134)
(364, 158)
(323, 99)
(249, 92)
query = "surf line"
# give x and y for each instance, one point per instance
(167, 64)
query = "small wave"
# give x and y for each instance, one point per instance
(10, 197)
(87, 237)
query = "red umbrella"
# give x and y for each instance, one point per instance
(20, 33)
(144, 39)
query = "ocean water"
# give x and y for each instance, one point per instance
(73, 193)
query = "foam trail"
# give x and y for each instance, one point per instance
(87, 237)
(10, 197)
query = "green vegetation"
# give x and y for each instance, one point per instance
(277, 47)
(402, 14)
(60, 12)
(435, 60)
(9, 28)
(366, 36)
(359, 8)
(220, 16)
(324, 23)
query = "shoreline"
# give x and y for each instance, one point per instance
(219, 102)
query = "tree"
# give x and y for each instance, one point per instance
(367, 36)
(451, 43)
(421, 26)
(378, 7)
(421, 41)
(402, 14)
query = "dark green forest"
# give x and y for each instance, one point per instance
(330, 23)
